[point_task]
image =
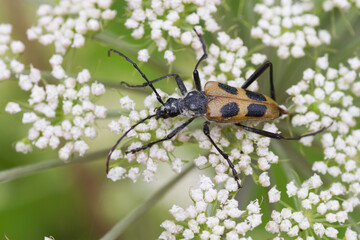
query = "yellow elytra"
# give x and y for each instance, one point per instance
(230, 104)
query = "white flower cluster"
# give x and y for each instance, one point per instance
(141, 135)
(227, 61)
(344, 5)
(326, 96)
(322, 97)
(195, 222)
(163, 20)
(65, 24)
(9, 49)
(332, 91)
(321, 211)
(62, 112)
(289, 27)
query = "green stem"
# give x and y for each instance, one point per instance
(285, 204)
(347, 23)
(347, 51)
(117, 113)
(121, 226)
(17, 172)
(255, 49)
(346, 225)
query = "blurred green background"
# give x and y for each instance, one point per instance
(77, 201)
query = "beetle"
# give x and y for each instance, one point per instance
(218, 103)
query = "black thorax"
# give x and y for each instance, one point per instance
(193, 104)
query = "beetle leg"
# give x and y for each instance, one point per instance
(231, 165)
(177, 78)
(169, 136)
(257, 73)
(203, 57)
(278, 136)
(138, 69)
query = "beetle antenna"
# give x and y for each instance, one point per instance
(138, 69)
(121, 138)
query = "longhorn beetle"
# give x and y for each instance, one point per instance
(218, 102)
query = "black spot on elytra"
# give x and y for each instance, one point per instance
(256, 110)
(255, 96)
(228, 89)
(229, 110)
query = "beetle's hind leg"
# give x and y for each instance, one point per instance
(231, 165)
(278, 136)
(260, 70)
(177, 78)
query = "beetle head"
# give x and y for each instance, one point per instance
(169, 109)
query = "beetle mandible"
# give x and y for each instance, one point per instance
(218, 102)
